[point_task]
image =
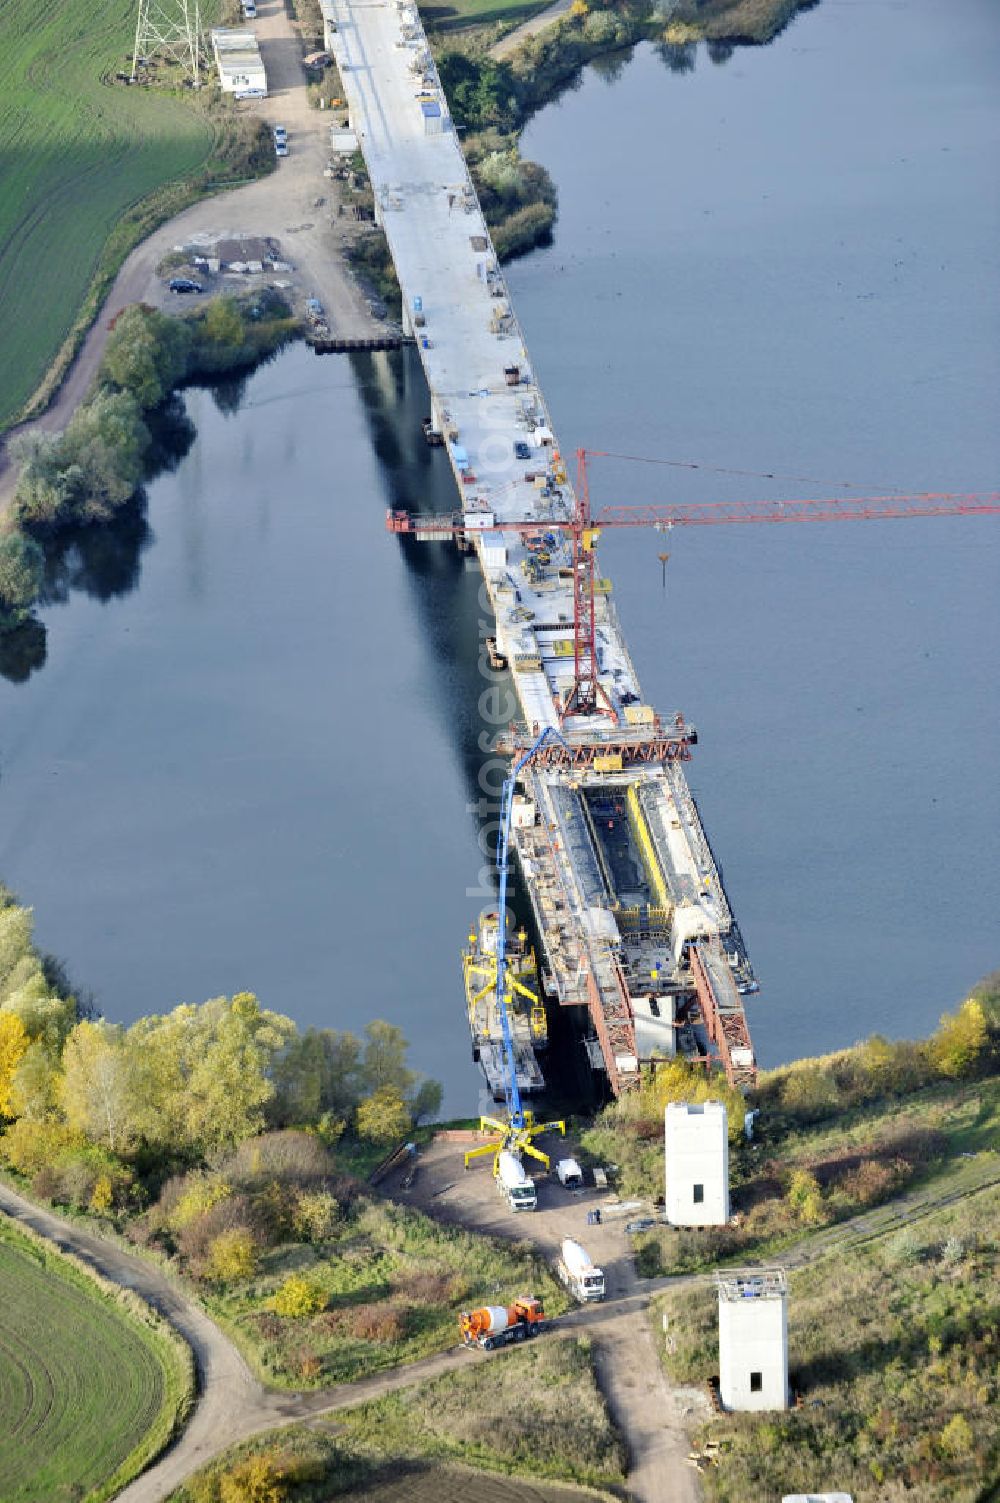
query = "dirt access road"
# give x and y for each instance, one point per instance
(233, 1405)
(295, 204)
(509, 44)
(653, 1417)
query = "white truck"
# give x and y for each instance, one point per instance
(569, 1174)
(578, 1272)
(512, 1182)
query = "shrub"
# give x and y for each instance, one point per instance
(427, 1287)
(377, 1323)
(199, 1194)
(102, 1196)
(298, 1297)
(298, 1157)
(805, 1197)
(874, 1180)
(961, 1040)
(256, 1480)
(235, 1213)
(809, 1092)
(232, 1256)
(314, 1217)
(956, 1439)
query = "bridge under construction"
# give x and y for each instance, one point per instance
(632, 917)
(635, 926)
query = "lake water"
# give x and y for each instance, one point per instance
(250, 759)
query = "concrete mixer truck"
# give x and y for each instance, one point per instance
(577, 1271)
(499, 1325)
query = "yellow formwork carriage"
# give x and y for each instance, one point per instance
(644, 840)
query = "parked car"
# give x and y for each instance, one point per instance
(521, 450)
(184, 284)
(280, 134)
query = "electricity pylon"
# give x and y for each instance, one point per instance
(171, 28)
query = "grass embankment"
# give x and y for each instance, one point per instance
(893, 1353)
(88, 167)
(534, 1412)
(796, 1178)
(833, 1136)
(91, 1385)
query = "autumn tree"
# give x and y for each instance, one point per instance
(146, 354)
(35, 1083)
(203, 1073)
(228, 1084)
(21, 565)
(317, 1072)
(384, 1117)
(14, 1043)
(96, 1087)
(383, 1062)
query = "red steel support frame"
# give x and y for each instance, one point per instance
(727, 1031)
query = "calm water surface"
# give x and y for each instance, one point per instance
(257, 768)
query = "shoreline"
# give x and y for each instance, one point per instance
(68, 380)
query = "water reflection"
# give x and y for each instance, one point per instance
(679, 57)
(444, 585)
(22, 651)
(104, 561)
(612, 65)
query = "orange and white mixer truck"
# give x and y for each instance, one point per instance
(500, 1325)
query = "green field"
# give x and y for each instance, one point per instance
(87, 1394)
(75, 155)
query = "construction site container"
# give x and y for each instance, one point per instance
(433, 118)
(237, 57)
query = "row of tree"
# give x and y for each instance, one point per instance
(182, 1088)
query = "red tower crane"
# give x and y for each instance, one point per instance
(586, 695)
